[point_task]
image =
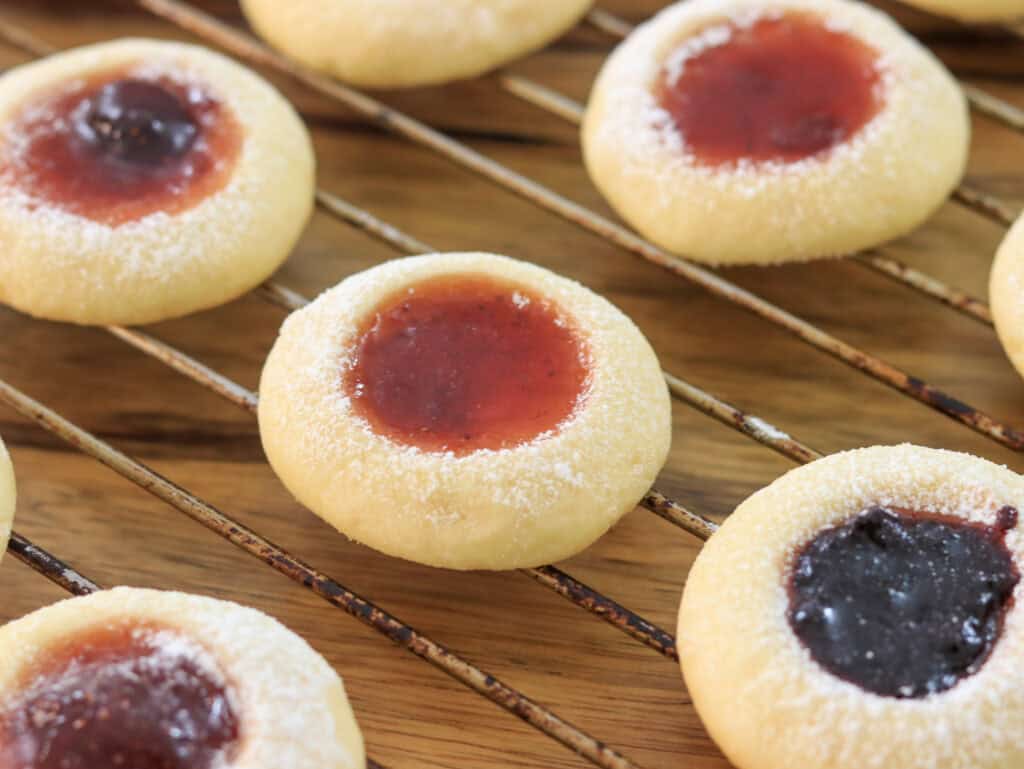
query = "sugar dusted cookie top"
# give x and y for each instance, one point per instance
(406, 43)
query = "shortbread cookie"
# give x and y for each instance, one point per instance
(7, 497)
(155, 680)
(974, 10)
(465, 410)
(142, 180)
(862, 611)
(404, 43)
(1006, 294)
(763, 131)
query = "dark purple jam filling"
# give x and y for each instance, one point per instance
(115, 148)
(901, 603)
(118, 698)
(136, 122)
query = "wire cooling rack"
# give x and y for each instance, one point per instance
(247, 48)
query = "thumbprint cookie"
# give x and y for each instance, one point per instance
(144, 679)
(765, 131)
(406, 43)
(1006, 294)
(973, 10)
(7, 497)
(467, 411)
(143, 180)
(861, 612)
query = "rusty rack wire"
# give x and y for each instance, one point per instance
(246, 47)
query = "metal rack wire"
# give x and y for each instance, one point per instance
(562, 583)
(243, 45)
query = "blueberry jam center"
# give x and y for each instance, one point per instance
(117, 146)
(901, 603)
(137, 122)
(120, 698)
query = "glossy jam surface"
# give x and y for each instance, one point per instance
(116, 147)
(779, 89)
(131, 696)
(463, 363)
(903, 604)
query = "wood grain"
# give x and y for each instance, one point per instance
(586, 671)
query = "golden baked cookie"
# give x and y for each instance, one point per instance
(142, 180)
(765, 131)
(7, 498)
(861, 612)
(974, 10)
(157, 680)
(1006, 294)
(405, 43)
(467, 410)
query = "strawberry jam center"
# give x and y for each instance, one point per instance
(128, 696)
(116, 147)
(462, 363)
(783, 88)
(901, 603)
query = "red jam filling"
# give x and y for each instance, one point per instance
(463, 363)
(117, 147)
(780, 89)
(127, 696)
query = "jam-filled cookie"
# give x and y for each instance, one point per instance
(974, 10)
(1006, 294)
(405, 43)
(860, 612)
(764, 131)
(142, 180)
(7, 497)
(144, 679)
(467, 411)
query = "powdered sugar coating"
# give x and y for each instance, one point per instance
(291, 704)
(974, 10)
(62, 266)
(523, 506)
(880, 184)
(7, 497)
(1006, 294)
(404, 43)
(762, 697)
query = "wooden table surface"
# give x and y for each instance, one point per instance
(586, 671)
